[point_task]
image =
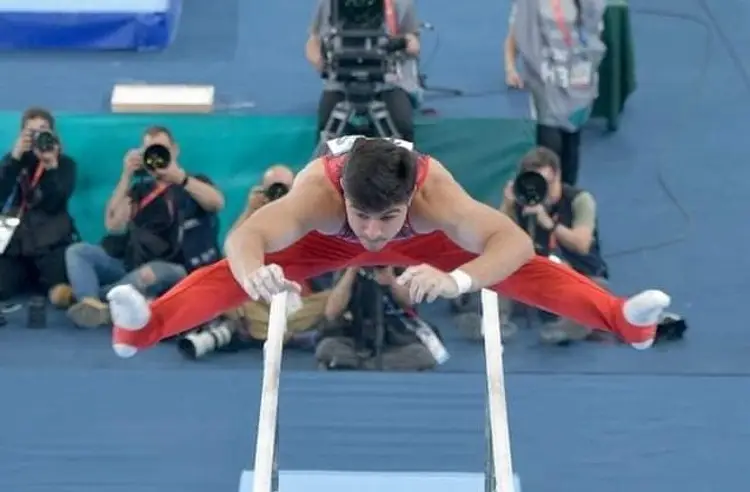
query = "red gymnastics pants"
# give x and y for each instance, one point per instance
(212, 290)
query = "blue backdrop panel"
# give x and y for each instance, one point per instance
(136, 25)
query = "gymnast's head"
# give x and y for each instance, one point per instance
(378, 179)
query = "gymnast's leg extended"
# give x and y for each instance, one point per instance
(558, 289)
(211, 291)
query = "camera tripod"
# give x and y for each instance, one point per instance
(347, 112)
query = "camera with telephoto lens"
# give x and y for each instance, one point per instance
(210, 338)
(530, 188)
(43, 140)
(275, 191)
(156, 157)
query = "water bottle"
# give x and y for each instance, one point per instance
(37, 312)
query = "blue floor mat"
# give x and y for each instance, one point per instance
(588, 418)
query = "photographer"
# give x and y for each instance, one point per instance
(399, 88)
(276, 182)
(562, 224)
(247, 326)
(349, 339)
(161, 222)
(36, 183)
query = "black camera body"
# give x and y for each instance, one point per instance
(530, 188)
(275, 191)
(43, 140)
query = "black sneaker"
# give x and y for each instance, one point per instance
(672, 327)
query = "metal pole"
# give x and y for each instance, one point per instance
(490, 481)
(275, 464)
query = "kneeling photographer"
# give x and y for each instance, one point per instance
(371, 324)
(380, 40)
(162, 223)
(562, 221)
(247, 326)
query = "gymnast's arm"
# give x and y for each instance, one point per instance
(502, 246)
(281, 223)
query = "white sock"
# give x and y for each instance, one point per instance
(128, 308)
(646, 308)
(130, 311)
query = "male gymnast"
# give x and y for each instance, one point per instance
(374, 202)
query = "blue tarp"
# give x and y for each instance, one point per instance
(150, 26)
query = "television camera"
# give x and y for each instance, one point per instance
(358, 53)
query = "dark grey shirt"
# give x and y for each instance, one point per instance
(406, 75)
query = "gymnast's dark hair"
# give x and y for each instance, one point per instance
(379, 175)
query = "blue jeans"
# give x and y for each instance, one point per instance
(92, 272)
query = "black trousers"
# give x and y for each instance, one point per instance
(397, 101)
(566, 145)
(19, 274)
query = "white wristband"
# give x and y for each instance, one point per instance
(463, 281)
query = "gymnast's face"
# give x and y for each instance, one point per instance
(375, 229)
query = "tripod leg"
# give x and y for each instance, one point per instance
(381, 120)
(337, 121)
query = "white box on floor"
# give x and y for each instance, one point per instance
(160, 98)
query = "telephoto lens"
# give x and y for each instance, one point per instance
(276, 191)
(156, 157)
(43, 141)
(530, 188)
(208, 339)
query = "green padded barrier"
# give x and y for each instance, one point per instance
(234, 151)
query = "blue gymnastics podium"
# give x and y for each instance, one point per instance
(340, 481)
(88, 25)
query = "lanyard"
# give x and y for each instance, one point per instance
(563, 26)
(159, 189)
(390, 17)
(32, 184)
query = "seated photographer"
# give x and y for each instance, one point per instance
(350, 337)
(562, 221)
(247, 326)
(276, 182)
(36, 183)
(161, 222)
(399, 89)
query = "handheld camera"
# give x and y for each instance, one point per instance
(275, 191)
(530, 189)
(43, 140)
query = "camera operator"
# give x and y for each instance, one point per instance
(36, 183)
(564, 225)
(161, 223)
(396, 93)
(349, 339)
